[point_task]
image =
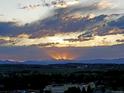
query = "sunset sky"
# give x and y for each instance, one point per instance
(61, 29)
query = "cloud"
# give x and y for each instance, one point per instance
(76, 30)
(30, 6)
(120, 40)
(23, 35)
(1, 15)
(78, 16)
(118, 23)
(70, 19)
(70, 39)
(65, 4)
(94, 7)
(116, 31)
(2, 42)
(60, 3)
(67, 29)
(104, 4)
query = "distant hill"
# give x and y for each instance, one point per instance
(97, 61)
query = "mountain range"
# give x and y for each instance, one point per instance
(47, 62)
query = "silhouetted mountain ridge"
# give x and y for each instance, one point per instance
(47, 62)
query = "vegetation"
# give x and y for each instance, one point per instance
(73, 90)
(32, 79)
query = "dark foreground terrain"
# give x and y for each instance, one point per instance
(36, 77)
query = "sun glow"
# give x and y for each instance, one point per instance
(62, 56)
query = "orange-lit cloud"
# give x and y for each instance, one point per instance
(63, 40)
(103, 4)
(23, 36)
(78, 16)
(115, 31)
(65, 4)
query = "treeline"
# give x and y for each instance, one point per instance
(37, 80)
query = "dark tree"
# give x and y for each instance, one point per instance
(47, 91)
(89, 90)
(73, 90)
(103, 89)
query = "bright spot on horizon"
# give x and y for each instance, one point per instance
(62, 56)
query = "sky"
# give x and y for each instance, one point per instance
(61, 29)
